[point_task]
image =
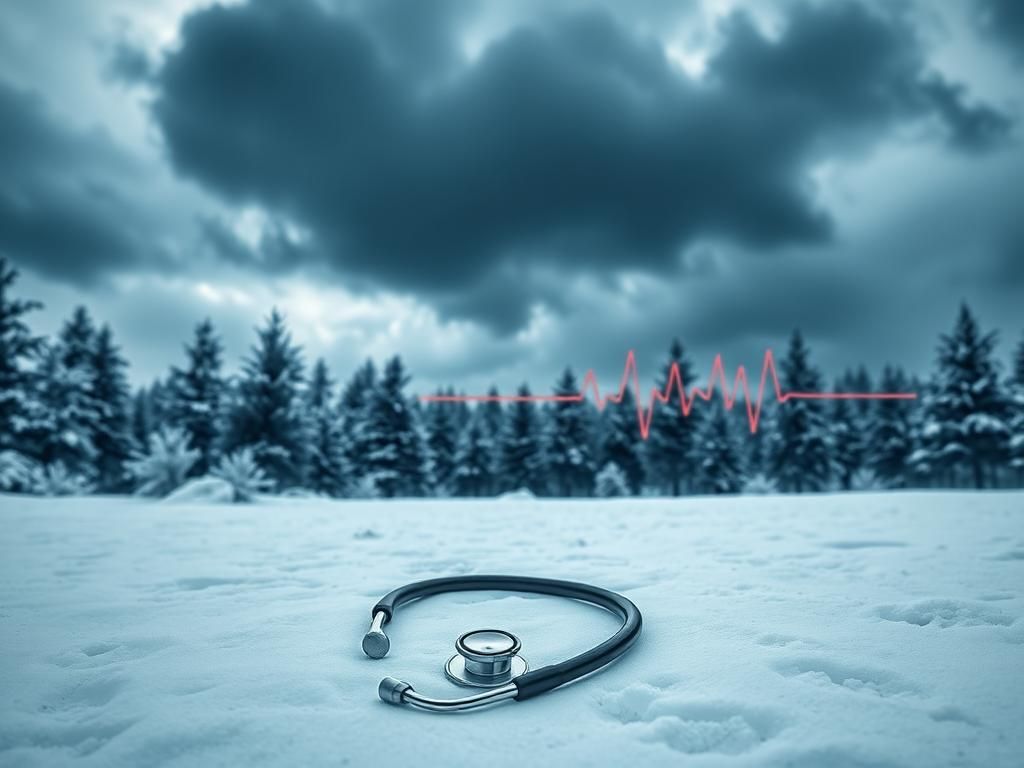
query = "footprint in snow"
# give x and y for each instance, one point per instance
(861, 679)
(690, 725)
(945, 613)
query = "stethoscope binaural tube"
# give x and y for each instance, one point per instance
(527, 685)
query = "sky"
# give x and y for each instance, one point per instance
(495, 190)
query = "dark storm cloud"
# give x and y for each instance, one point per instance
(273, 253)
(1004, 21)
(60, 212)
(574, 144)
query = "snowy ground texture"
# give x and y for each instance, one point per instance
(857, 630)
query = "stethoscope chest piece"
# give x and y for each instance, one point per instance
(486, 658)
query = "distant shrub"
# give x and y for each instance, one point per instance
(611, 482)
(759, 485)
(15, 471)
(55, 480)
(165, 467)
(240, 470)
(866, 480)
(366, 488)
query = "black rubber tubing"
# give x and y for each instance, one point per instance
(544, 679)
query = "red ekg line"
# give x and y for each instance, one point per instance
(644, 413)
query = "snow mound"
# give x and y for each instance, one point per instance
(203, 490)
(523, 494)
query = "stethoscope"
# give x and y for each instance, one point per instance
(489, 658)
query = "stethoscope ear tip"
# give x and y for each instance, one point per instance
(391, 689)
(376, 644)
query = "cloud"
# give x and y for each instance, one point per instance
(1003, 20)
(63, 206)
(575, 145)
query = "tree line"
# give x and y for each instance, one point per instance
(69, 423)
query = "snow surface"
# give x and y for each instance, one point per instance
(856, 630)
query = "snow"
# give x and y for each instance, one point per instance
(880, 629)
(203, 490)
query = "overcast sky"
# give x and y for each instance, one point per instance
(497, 189)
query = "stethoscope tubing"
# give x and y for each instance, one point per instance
(538, 681)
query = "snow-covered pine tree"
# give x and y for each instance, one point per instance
(719, 461)
(846, 434)
(494, 422)
(268, 412)
(570, 462)
(77, 338)
(801, 452)
(395, 453)
(920, 469)
(112, 437)
(967, 418)
(195, 394)
(620, 444)
(670, 441)
(611, 482)
(17, 347)
(442, 442)
(860, 381)
(63, 417)
(473, 463)
(327, 471)
(60, 415)
(891, 439)
(462, 413)
(151, 412)
(520, 451)
(758, 444)
(1016, 443)
(860, 415)
(353, 408)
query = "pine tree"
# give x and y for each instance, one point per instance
(354, 409)
(17, 347)
(112, 436)
(620, 443)
(395, 454)
(327, 472)
(758, 448)
(142, 418)
(77, 339)
(846, 434)
(891, 436)
(671, 437)
(1016, 442)
(63, 418)
(966, 427)
(442, 442)
(473, 461)
(801, 459)
(859, 414)
(720, 464)
(570, 462)
(195, 395)
(60, 414)
(611, 482)
(494, 422)
(520, 452)
(267, 414)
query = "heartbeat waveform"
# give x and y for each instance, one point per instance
(674, 385)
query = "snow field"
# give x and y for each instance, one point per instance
(855, 630)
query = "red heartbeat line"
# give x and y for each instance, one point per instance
(674, 384)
